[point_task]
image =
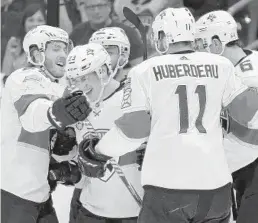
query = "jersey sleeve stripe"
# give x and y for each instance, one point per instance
(243, 133)
(24, 101)
(37, 139)
(254, 122)
(135, 125)
(243, 108)
(128, 158)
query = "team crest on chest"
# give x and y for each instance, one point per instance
(127, 94)
(79, 125)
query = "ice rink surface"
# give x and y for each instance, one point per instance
(62, 198)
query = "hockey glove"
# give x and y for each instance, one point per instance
(68, 110)
(65, 172)
(91, 163)
(65, 141)
(140, 155)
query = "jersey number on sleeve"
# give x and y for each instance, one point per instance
(246, 66)
(183, 108)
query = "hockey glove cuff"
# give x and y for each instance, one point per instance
(91, 163)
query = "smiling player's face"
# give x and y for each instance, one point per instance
(90, 84)
(55, 58)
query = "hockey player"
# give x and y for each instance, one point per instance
(117, 45)
(174, 101)
(218, 31)
(104, 198)
(32, 103)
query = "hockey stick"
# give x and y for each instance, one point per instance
(134, 19)
(129, 187)
(238, 6)
(234, 205)
(53, 13)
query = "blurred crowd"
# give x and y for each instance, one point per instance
(80, 18)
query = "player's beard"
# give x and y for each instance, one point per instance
(56, 68)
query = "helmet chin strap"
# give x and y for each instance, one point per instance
(118, 66)
(41, 64)
(223, 49)
(103, 86)
(115, 71)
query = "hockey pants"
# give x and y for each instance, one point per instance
(17, 210)
(75, 205)
(86, 216)
(248, 210)
(162, 205)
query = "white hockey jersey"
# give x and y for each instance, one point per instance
(25, 133)
(247, 69)
(241, 143)
(109, 197)
(174, 101)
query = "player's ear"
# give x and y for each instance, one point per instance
(216, 46)
(104, 72)
(36, 55)
(162, 43)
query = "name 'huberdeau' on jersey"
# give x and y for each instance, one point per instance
(181, 70)
(181, 109)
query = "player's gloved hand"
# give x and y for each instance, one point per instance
(65, 141)
(91, 163)
(69, 109)
(140, 155)
(66, 172)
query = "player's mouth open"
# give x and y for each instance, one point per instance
(60, 64)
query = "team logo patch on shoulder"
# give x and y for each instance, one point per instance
(126, 102)
(246, 65)
(32, 77)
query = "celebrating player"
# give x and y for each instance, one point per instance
(218, 30)
(103, 197)
(32, 104)
(175, 101)
(117, 45)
